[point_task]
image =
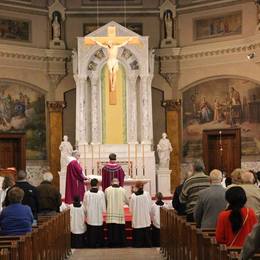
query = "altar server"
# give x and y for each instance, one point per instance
(77, 224)
(95, 205)
(155, 218)
(140, 207)
(116, 198)
(112, 170)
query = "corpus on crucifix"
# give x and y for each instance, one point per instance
(112, 43)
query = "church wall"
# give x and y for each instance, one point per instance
(186, 23)
(37, 38)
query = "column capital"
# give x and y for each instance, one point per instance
(55, 106)
(172, 104)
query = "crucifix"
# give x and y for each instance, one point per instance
(112, 43)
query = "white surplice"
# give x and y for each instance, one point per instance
(77, 220)
(140, 207)
(95, 205)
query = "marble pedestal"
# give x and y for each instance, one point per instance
(168, 43)
(57, 44)
(62, 175)
(164, 181)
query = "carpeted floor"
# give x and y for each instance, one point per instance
(117, 254)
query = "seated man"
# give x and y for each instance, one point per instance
(49, 196)
(16, 219)
(110, 171)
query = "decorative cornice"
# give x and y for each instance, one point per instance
(34, 54)
(172, 104)
(55, 106)
(209, 50)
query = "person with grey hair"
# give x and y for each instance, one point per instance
(191, 187)
(49, 196)
(75, 179)
(252, 192)
(30, 193)
(211, 202)
(16, 219)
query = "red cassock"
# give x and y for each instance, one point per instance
(74, 182)
(110, 171)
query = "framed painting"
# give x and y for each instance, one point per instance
(218, 26)
(13, 29)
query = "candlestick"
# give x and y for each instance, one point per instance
(92, 159)
(128, 158)
(136, 159)
(85, 162)
(143, 157)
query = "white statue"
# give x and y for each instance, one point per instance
(56, 28)
(66, 150)
(168, 24)
(164, 148)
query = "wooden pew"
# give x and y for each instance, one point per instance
(12, 247)
(4, 254)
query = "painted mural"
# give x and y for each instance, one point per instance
(217, 26)
(22, 109)
(15, 29)
(221, 103)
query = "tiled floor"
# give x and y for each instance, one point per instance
(117, 254)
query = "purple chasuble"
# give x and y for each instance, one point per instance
(112, 170)
(74, 182)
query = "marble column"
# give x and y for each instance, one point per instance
(173, 128)
(132, 110)
(55, 137)
(95, 138)
(82, 122)
(145, 110)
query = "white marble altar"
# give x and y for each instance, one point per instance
(136, 62)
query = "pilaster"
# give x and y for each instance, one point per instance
(173, 126)
(55, 109)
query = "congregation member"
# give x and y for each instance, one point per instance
(236, 177)
(30, 197)
(211, 201)
(235, 223)
(16, 219)
(191, 187)
(78, 226)
(8, 182)
(75, 179)
(49, 196)
(140, 207)
(176, 204)
(155, 218)
(252, 244)
(116, 198)
(112, 170)
(94, 205)
(252, 192)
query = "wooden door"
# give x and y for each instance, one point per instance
(12, 151)
(223, 151)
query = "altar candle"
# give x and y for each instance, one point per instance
(99, 158)
(92, 158)
(128, 155)
(143, 157)
(136, 159)
(85, 163)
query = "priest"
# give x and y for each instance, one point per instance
(110, 171)
(75, 179)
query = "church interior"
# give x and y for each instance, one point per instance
(160, 83)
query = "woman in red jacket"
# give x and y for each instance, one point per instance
(235, 223)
